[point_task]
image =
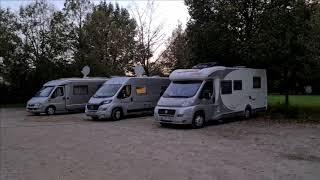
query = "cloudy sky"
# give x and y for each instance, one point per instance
(167, 12)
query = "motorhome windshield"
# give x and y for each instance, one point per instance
(107, 90)
(182, 89)
(45, 91)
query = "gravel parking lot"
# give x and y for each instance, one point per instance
(72, 147)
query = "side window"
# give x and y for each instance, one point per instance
(163, 89)
(237, 85)
(58, 92)
(125, 92)
(141, 90)
(207, 90)
(80, 90)
(226, 87)
(256, 82)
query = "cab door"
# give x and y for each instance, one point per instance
(207, 99)
(58, 99)
(125, 97)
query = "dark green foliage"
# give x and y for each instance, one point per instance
(280, 36)
(40, 44)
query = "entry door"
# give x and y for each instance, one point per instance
(57, 98)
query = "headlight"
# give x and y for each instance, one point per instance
(187, 103)
(37, 104)
(106, 102)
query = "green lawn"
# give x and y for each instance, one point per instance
(300, 105)
(296, 100)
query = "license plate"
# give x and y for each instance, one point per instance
(165, 118)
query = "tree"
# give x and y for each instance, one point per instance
(110, 34)
(76, 12)
(13, 67)
(280, 36)
(176, 53)
(287, 42)
(149, 35)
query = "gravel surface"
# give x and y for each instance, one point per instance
(72, 147)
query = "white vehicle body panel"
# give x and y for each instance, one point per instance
(220, 104)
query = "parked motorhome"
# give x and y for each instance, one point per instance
(196, 96)
(64, 95)
(121, 96)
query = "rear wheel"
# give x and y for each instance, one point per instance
(116, 114)
(51, 110)
(198, 120)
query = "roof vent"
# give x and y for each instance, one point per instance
(204, 65)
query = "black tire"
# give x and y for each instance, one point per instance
(50, 110)
(247, 113)
(198, 120)
(116, 114)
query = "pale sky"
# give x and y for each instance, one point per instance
(167, 12)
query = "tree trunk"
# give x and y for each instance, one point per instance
(287, 88)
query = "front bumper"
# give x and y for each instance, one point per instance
(182, 115)
(101, 113)
(34, 109)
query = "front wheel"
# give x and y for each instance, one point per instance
(198, 120)
(51, 110)
(116, 114)
(247, 113)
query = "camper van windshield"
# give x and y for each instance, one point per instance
(45, 91)
(107, 90)
(182, 89)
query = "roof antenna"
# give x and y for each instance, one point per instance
(85, 71)
(139, 70)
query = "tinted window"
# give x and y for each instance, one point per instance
(80, 90)
(125, 92)
(141, 90)
(44, 91)
(256, 82)
(182, 89)
(207, 90)
(237, 85)
(226, 87)
(58, 92)
(107, 90)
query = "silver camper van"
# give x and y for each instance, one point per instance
(64, 95)
(121, 96)
(198, 95)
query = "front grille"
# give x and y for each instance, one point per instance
(92, 107)
(30, 105)
(166, 112)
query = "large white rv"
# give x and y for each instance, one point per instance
(196, 96)
(121, 96)
(61, 95)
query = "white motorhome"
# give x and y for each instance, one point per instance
(121, 96)
(196, 96)
(64, 95)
